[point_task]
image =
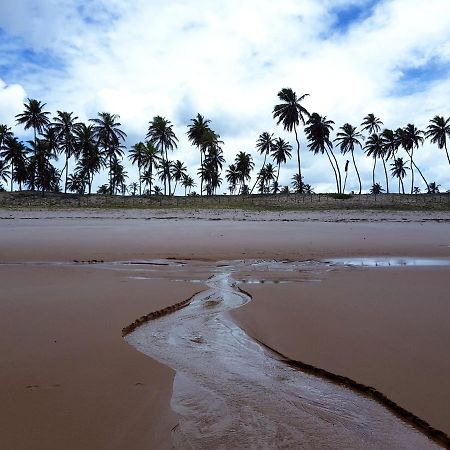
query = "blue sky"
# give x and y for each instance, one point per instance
(227, 60)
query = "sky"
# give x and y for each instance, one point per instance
(228, 59)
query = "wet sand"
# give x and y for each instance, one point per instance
(86, 389)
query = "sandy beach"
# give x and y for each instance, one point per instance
(69, 380)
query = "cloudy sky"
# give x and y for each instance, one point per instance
(227, 59)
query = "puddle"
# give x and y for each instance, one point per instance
(389, 262)
(229, 392)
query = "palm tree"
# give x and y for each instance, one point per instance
(371, 123)
(291, 113)
(5, 134)
(187, 182)
(136, 156)
(298, 185)
(374, 147)
(390, 147)
(318, 131)
(109, 138)
(178, 172)
(5, 174)
(348, 138)
(410, 138)
(42, 173)
(197, 132)
(119, 177)
(34, 117)
(433, 188)
(266, 175)
(244, 165)
(281, 152)
(398, 170)
(77, 182)
(232, 176)
(264, 145)
(133, 188)
(150, 161)
(90, 158)
(65, 129)
(346, 173)
(161, 134)
(14, 153)
(212, 166)
(376, 189)
(438, 131)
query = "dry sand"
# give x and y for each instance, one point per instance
(89, 389)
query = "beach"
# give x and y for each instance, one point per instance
(70, 380)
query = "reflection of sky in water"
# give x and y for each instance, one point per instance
(390, 262)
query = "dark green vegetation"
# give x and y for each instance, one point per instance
(100, 145)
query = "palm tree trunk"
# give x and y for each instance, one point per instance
(110, 176)
(345, 182)
(278, 172)
(446, 151)
(412, 171)
(373, 171)
(201, 174)
(12, 176)
(338, 171)
(421, 174)
(168, 171)
(140, 181)
(386, 175)
(357, 173)
(257, 178)
(403, 187)
(67, 172)
(298, 154)
(335, 173)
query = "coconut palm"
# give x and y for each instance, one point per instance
(119, 177)
(161, 134)
(178, 171)
(348, 138)
(290, 113)
(187, 182)
(232, 176)
(5, 174)
(374, 147)
(65, 127)
(150, 159)
(34, 117)
(136, 156)
(318, 131)
(281, 152)
(5, 134)
(371, 124)
(433, 188)
(264, 145)
(109, 138)
(14, 153)
(163, 171)
(90, 158)
(390, 147)
(438, 132)
(410, 138)
(398, 170)
(76, 182)
(133, 188)
(244, 165)
(299, 186)
(376, 189)
(42, 174)
(266, 175)
(212, 166)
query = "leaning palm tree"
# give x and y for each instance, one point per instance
(438, 132)
(34, 117)
(318, 131)
(161, 134)
(196, 133)
(374, 147)
(348, 138)
(109, 139)
(291, 113)
(136, 156)
(264, 145)
(410, 139)
(281, 152)
(398, 170)
(178, 172)
(371, 124)
(65, 128)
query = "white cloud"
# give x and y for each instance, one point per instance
(228, 59)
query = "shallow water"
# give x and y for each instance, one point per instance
(230, 393)
(390, 262)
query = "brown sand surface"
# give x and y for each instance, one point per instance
(86, 389)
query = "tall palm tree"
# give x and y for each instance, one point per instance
(161, 134)
(438, 131)
(178, 171)
(410, 139)
(374, 147)
(264, 145)
(14, 153)
(244, 165)
(34, 117)
(281, 152)
(150, 161)
(197, 132)
(267, 174)
(65, 127)
(43, 174)
(91, 159)
(119, 177)
(390, 147)
(109, 138)
(211, 169)
(398, 170)
(5, 134)
(136, 156)
(232, 176)
(291, 113)
(318, 131)
(348, 138)
(371, 124)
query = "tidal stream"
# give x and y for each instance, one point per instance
(231, 393)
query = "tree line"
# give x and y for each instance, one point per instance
(99, 145)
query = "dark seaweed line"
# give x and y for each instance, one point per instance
(436, 435)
